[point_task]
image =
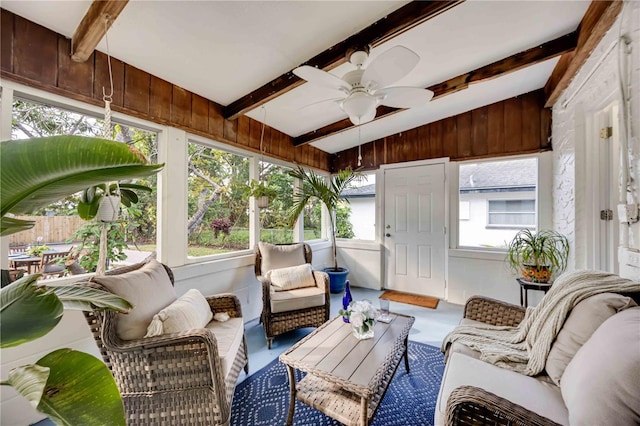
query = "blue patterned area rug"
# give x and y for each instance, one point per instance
(263, 398)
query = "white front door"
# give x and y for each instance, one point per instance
(414, 229)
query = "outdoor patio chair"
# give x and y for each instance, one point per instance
(51, 265)
(181, 377)
(301, 304)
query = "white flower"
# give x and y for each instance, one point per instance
(361, 313)
(357, 319)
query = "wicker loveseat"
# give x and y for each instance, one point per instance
(185, 377)
(599, 385)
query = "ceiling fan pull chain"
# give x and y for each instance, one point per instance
(359, 148)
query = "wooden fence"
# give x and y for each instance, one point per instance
(52, 229)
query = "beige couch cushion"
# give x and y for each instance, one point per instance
(601, 385)
(149, 289)
(190, 311)
(290, 278)
(280, 256)
(300, 298)
(583, 320)
(229, 337)
(535, 395)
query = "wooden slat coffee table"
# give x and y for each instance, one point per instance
(346, 377)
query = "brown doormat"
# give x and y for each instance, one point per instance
(411, 299)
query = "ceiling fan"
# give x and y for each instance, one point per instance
(363, 89)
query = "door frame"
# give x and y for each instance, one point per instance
(602, 241)
(380, 183)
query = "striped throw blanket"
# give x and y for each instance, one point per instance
(525, 348)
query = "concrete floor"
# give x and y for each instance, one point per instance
(430, 327)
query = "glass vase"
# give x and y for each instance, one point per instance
(363, 332)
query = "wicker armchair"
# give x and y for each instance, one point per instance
(470, 405)
(276, 323)
(176, 378)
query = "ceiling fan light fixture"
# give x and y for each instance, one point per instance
(360, 107)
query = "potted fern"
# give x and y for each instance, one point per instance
(537, 256)
(328, 193)
(262, 192)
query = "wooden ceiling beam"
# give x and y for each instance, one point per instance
(400, 20)
(92, 27)
(595, 23)
(513, 63)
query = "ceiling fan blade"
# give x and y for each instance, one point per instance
(321, 78)
(404, 97)
(390, 67)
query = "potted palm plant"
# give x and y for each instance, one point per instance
(328, 193)
(69, 386)
(538, 255)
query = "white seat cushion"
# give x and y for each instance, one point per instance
(535, 395)
(300, 298)
(229, 337)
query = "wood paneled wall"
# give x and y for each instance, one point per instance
(35, 56)
(38, 57)
(517, 125)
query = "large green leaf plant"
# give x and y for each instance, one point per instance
(71, 387)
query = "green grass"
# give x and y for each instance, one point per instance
(194, 251)
(199, 251)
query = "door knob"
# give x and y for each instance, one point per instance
(387, 235)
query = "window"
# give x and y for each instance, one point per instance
(218, 205)
(273, 219)
(519, 213)
(357, 219)
(312, 222)
(58, 225)
(496, 200)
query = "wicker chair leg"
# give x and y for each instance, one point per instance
(269, 340)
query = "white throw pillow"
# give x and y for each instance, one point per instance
(284, 279)
(190, 311)
(148, 289)
(601, 385)
(583, 320)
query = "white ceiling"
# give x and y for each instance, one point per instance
(223, 50)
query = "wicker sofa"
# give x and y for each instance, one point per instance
(600, 383)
